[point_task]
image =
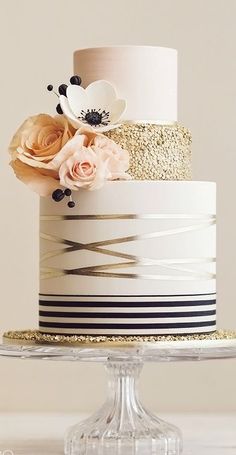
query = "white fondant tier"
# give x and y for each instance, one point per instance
(177, 219)
(145, 76)
(132, 258)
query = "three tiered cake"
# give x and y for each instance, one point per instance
(127, 239)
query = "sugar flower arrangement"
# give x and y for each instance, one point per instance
(60, 154)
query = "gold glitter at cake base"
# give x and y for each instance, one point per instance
(34, 336)
(157, 152)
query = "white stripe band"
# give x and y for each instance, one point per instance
(129, 331)
(182, 309)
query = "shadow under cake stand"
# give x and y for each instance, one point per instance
(122, 426)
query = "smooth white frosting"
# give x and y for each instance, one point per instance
(145, 76)
(195, 201)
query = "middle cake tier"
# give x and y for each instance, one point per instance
(134, 258)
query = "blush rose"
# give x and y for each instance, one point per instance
(89, 159)
(79, 166)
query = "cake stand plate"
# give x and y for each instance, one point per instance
(122, 426)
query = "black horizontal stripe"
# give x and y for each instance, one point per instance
(126, 295)
(91, 315)
(79, 304)
(70, 325)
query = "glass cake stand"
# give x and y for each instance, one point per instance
(122, 426)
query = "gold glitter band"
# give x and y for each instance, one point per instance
(34, 336)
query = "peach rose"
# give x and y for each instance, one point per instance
(39, 139)
(80, 166)
(42, 181)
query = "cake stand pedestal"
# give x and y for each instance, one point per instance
(123, 426)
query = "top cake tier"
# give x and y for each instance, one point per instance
(145, 76)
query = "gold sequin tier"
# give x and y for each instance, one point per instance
(157, 152)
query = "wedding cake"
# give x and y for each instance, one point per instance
(127, 239)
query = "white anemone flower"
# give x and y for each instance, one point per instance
(96, 106)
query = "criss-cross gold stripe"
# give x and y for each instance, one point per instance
(169, 264)
(95, 246)
(105, 270)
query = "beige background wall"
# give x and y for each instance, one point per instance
(37, 39)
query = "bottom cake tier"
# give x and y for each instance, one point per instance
(133, 258)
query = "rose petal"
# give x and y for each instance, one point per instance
(74, 175)
(26, 125)
(34, 162)
(42, 184)
(69, 148)
(88, 134)
(40, 137)
(68, 130)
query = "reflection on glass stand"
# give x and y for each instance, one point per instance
(123, 426)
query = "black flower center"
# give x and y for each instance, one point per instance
(95, 117)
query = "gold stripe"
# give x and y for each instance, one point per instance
(171, 123)
(56, 273)
(128, 216)
(131, 260)
(121, 265)
(95, 246)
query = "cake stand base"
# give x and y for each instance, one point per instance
(123, 426)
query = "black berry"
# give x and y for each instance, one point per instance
(59, 109)
(71, 204)
(50, 87)
(75, 80)
(67, 192)
(62, 89)
(58, 195)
